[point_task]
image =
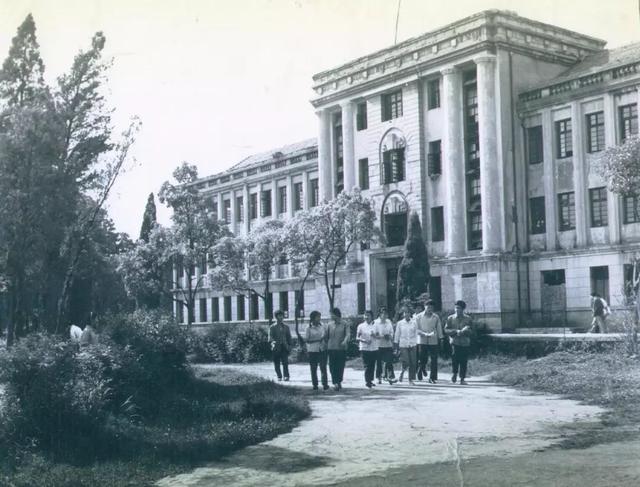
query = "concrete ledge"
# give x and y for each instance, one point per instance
(557, 337)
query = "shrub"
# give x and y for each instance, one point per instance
(241, 343)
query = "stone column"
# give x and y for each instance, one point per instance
(274, 199)
(453, 162)
(220, 207)
(247, 211)
(305, 190)
(579, 176)
(290, 195)
(348, 157)
(325, 182)
(489, 164)
(233, 226)
(613, 200)
(549, 181)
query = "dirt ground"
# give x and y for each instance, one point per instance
(444, 434)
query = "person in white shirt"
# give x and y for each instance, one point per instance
(315, 336)
(367, 338)
(430, 333)
(405, 339)
(385, 348)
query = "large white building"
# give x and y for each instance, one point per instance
(486, 128)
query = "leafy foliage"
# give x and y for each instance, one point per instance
(620, 167)
(237, 344)
(413, 273)
(148, 219)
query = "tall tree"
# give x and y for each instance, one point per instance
(193, 237)
(148, 219)
(413, 273)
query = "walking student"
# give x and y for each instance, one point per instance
(315, 336)
(281, 343)
(338, 334)
(458, 328)
(385, 348)
(367, 338)
(405, 339)
(430, 333)
(600, 310)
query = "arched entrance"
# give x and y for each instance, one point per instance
(395, 218)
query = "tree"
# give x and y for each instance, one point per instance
(148, 219)
(334, 228)
(192, 239)
(413, 273)
(261, 252)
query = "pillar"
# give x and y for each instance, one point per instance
(453, 162)
(349, 164)
(324, 155)
(274, 199)
(305, 191)
(233, 225)
(579, 175)
(290, 196)
(549, 181)
(220, 207)
(247, 211)
(489, 164)
(613, 200)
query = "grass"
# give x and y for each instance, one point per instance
(213, 416)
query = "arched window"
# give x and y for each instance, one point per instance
(392, 155)
(395, 218)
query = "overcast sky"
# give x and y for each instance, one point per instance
(214, 81)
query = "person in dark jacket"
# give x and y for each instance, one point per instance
(281, 344)
(458, 328)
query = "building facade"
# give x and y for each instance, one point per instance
(486, 128)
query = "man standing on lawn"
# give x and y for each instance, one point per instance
(281, 344)
(458, 328)
(338, 334)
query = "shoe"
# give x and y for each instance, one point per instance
(325, 387)
(369, 385)
(463, 382)
(339, 386)
(279, 378)
(411, 383)
(401, 375)
(379, 380)
(392, 381)
(336, 387)
(315, 388)
(286, 379)
(431, 381)
(454, 378)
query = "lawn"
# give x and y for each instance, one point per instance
(211, 417)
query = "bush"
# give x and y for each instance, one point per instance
(223, 344)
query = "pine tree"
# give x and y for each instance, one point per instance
(149, 219)
(413, 273)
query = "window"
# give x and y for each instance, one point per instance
(363, 173)
(395, 218)
(215, 309)
(437, 224)
(391, 105)
(628, 121)
(598, 204)
(227, 211)
(282, 199)
(433, 94)
(297, 197)
(474, 186)
(595, 132)
(253, 307)
(227, 308)
(534, 145)
(567, 211)
(563, 138)
(253, 206)
(265, 209)
(299, 297)
(435, 291)
(239, 209)
(361, 116)
(180, 311)
(180, 266)
(475, 230)
(554, 277)
(629, 293)
(600, 281)
(315, 192)
(362, 299)
(203, 310)
(472, 134)
(393, 165)
(434, 158)
(284, 302)
(240, 307)
(268, 306)
(537, 215)
(214, 209)
(631, 209)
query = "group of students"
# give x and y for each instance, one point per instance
(417, 336)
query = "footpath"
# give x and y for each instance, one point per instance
(403, 435)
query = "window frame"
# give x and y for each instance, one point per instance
(537, 203)
(564, 138)
(393, 161)
(631, 202)
(535, 145)
(282, 200)
(567, 200)
(628, 121)
(433, 94)
(595, 132)
(391, 105)
(265, 209)
(434, 158)
(598, 208)
(361, 116)
(437, 224)
(363, 173)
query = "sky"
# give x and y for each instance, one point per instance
(215, 81)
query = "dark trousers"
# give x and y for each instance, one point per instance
(428, 353)
(369, 359)
(459, 359)
(385, 360)
(281, 357)
(315, 359)
(337, 359)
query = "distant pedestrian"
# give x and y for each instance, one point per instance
(458, 328)
(338, 334)
(315, 337)
(75, 333)
(405, 339)
(600, 310)
(367, 338)
(384, 362)
(281, 344)
(89, 336)
(429, 336)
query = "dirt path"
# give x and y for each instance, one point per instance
(361, 435)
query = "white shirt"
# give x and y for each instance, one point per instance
(431, 327)
(367, 342)
(406, 333)
(384, 328)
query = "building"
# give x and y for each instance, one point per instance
(486, 128)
